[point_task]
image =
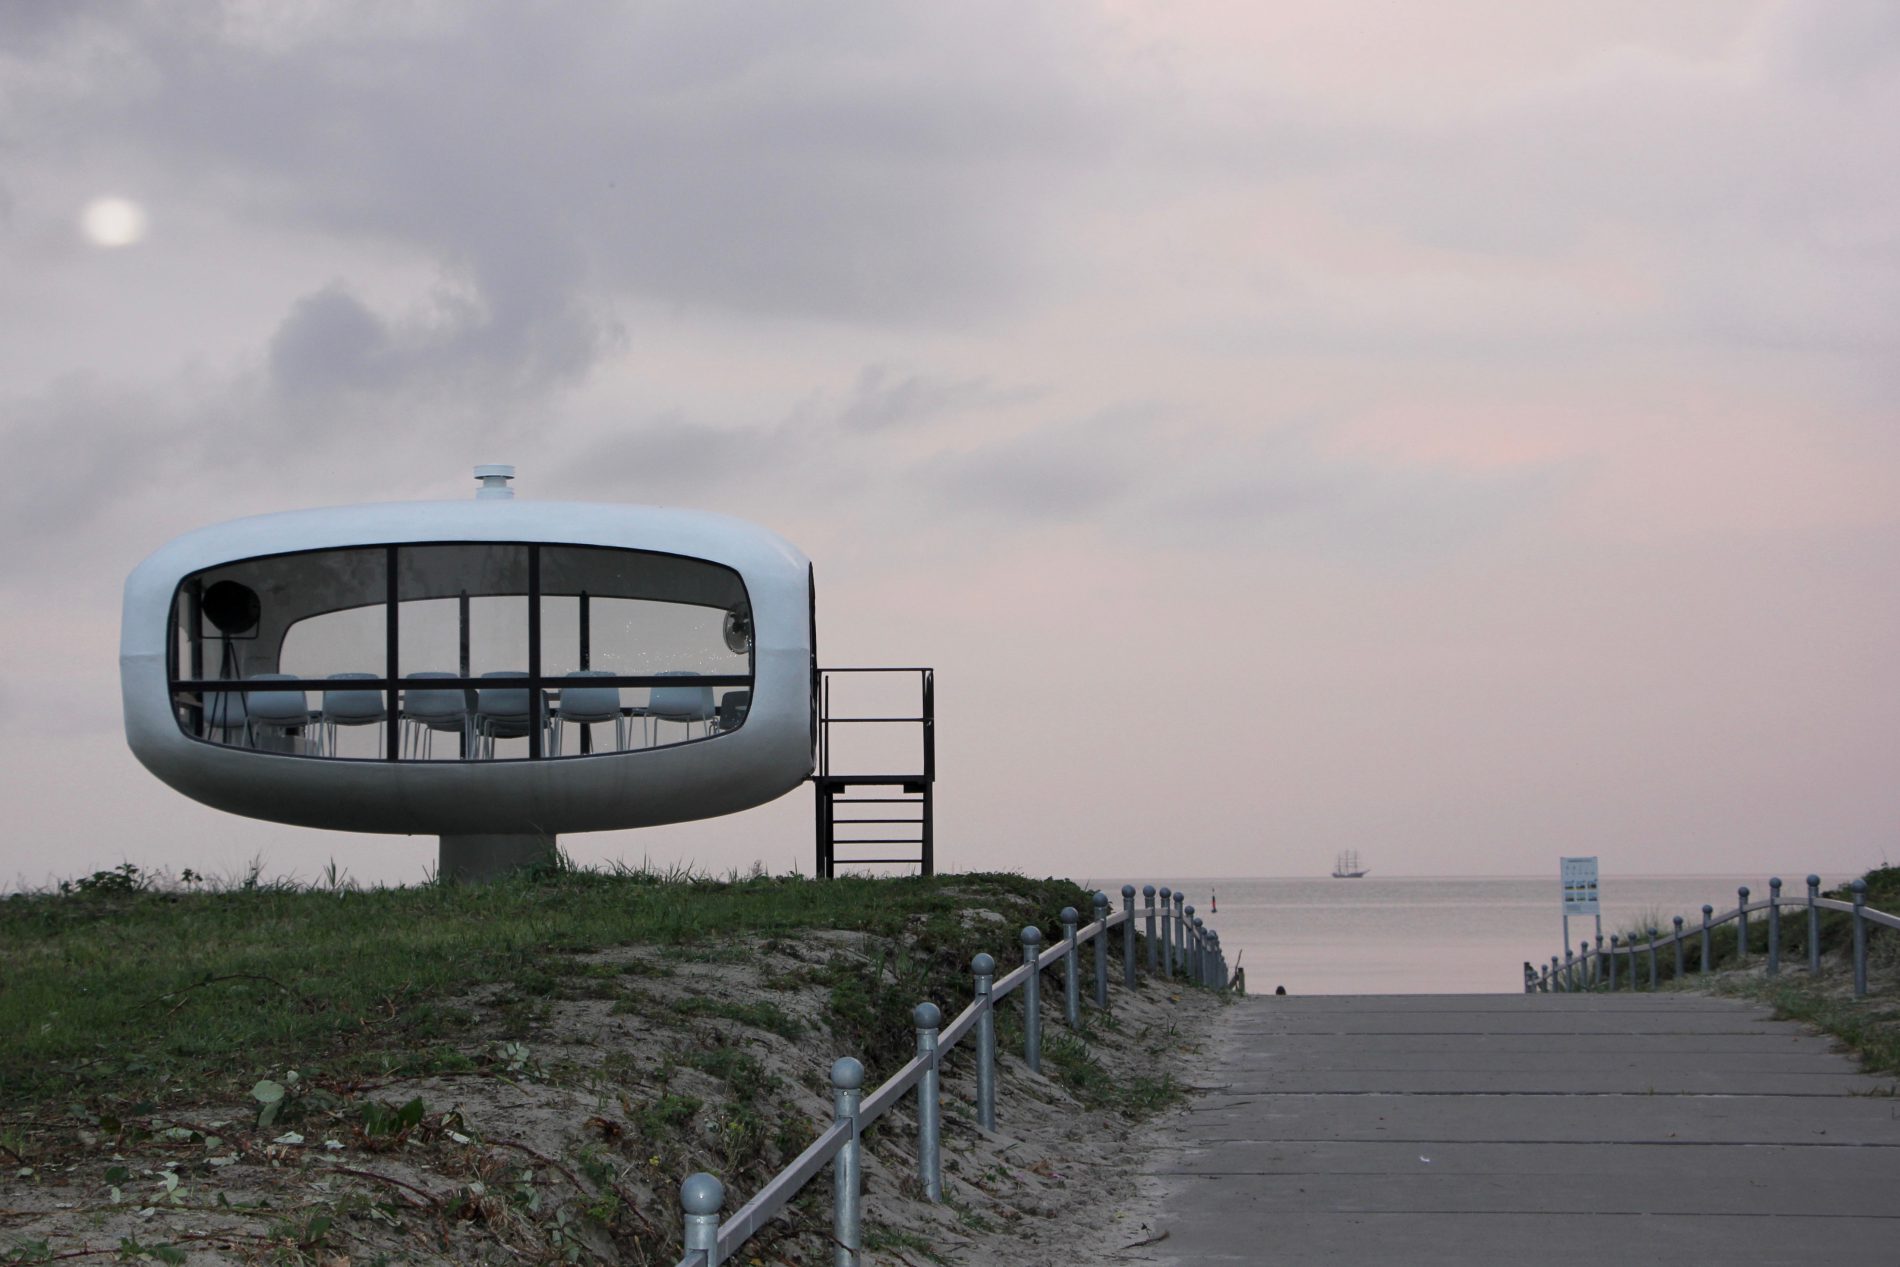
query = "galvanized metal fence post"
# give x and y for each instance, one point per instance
(1128, 936)
(1570, 969)
(1652, 959)
(1708, 939)
(1814, 926)
(1032, 1000)
(1556, 977)
(1774, 926)
(928, 1018)
(1180, 932)
(1860, 938)
(1616, 940)
(1596, 964)
(847, 1170)
(1741, 927)
(1071, 980)
(1585, 965)
(1148, 900)
(984, 967)
(1100, 903)
(1167, 931)
(1190, 956)
(1197, 949)
(1678, 940)
(702, 1196)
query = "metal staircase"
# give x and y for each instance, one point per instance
(875, 769)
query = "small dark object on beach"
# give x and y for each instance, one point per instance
(1279, 989)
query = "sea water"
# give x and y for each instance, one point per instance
(1426, 935)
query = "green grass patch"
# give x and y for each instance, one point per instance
(115, 992)
(1068, 1057)
(1870, 1027)
(766, 1016)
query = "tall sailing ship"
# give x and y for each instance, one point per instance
(1347, 866)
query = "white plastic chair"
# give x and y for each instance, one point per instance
(344, 707)
(502, 713)
(684, 704)
(427, 710)
(281, 711)
(585, 706)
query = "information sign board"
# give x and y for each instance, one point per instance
(1580, 885)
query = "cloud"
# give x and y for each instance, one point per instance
(1061, 473)
(331, 342)
(1840, 47)
(885, 397)
(79, 446)
(675, 460)
(703, 154)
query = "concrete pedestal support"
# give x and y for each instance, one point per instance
(478, 859)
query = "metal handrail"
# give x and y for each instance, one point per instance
(925, 717)
(1596, 966)
(1193, 952)
(779, 1190)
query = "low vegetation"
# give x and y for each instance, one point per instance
(1869, 1026)
(514, 1072)
(125, 989)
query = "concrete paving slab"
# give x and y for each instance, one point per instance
(1525, 1128)
(1426, 1239)
(1536, 1163)
(1551, 1117)
(1783, 1039)
(1530, 1178)
(1454, 1021)
(1630, 1080)
(1673, 1003)
(1745, 1047)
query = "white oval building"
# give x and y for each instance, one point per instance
(493, 672)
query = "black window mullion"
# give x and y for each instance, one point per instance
(585, 617)
(535, 718)
(392, 721)
(468, 695)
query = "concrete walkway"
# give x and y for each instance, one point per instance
(1477, 1129)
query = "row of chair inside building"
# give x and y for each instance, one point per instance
(477, 717)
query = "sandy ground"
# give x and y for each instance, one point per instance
(529, 1160)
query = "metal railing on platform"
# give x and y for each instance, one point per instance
(1178, 945)
(1595, 967)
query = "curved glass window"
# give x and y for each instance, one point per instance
(464, 651)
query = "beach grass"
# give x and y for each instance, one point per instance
(127, 989)
(1868, 1026)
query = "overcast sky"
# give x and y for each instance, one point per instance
(1462, 432)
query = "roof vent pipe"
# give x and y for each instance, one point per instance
(494, 480)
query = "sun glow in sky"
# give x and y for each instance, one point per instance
(113, 222)
(1463, 432)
